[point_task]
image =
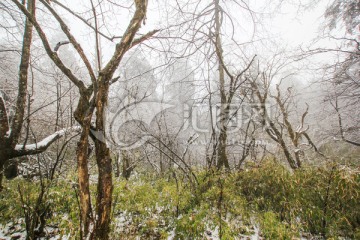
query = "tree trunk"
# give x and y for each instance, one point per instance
(283, 146)
(11, 169)
(83, 115)
(23, 78)
(103, 159)
(222, 160)
(7, 143)
(86, 218)
(104, 191)
(1, 175)
(117, 165)
(126, 165)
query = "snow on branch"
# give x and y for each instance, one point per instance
(41, 146)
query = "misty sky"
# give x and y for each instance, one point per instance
(290, 25)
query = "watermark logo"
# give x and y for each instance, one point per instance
(229, 117)
(127, 125)
(131, 119)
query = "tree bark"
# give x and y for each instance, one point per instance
(86, 218)
(8, 141)
(1, 175)
(96, 227)
(23, 77)
(222, 160)
(273, 132)
(103, 159)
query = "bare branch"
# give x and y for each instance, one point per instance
(59, 44)
(126, 41)
(72, 39)
(53, 55)
(85, 22)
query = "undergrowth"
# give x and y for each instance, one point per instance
(313, 201)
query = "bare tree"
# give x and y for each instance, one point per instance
(276, 121)
(209, 33)
(342, 77)
(93, 97)
(10, 132)
(343, 130)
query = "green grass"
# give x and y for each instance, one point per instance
(317, 200)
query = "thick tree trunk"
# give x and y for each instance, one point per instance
(103, 159)
(83, 114)
(86, 218)
(104, 191)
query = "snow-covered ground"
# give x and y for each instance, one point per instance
(15, 230)
(12, 230)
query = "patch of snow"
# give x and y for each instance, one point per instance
(212, 234)
(2, 233)
(11, 231)
(171, 234)
(8, 133)
(256, 235)
(2, 96)
(15, 230)
(18, 235)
